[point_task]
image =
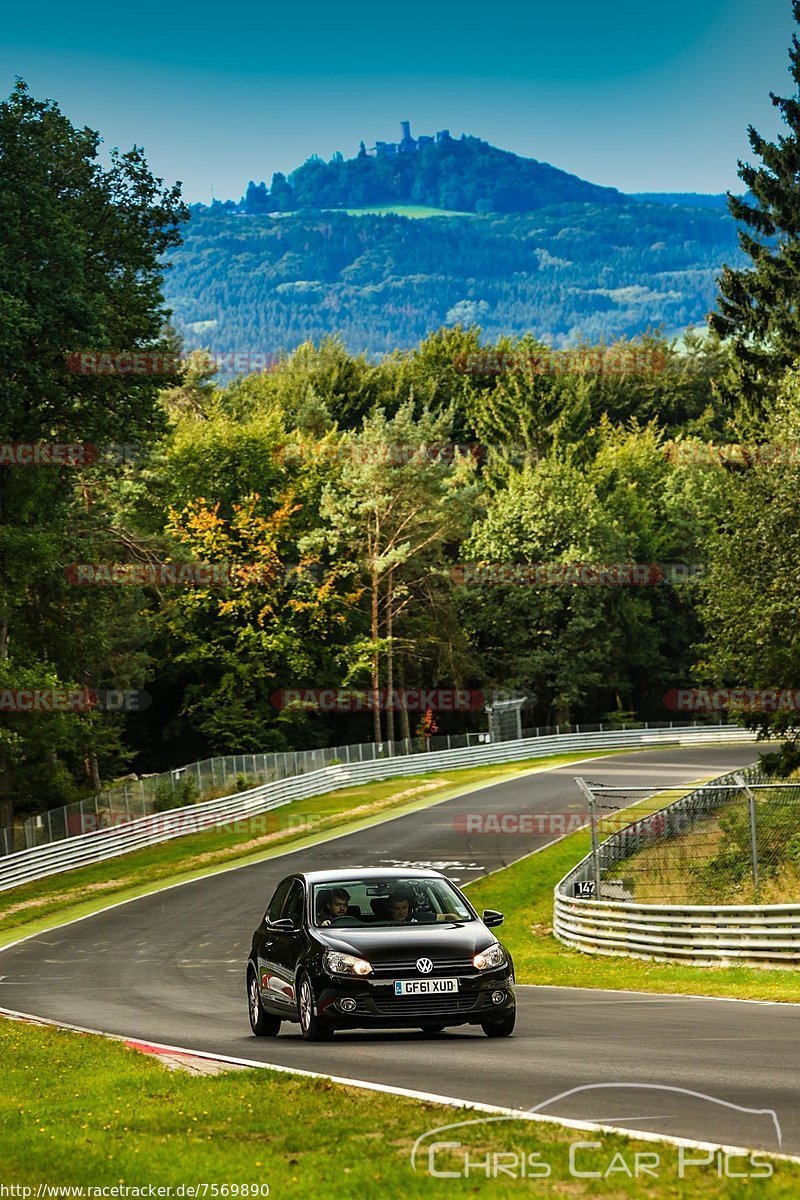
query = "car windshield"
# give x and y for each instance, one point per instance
(386, 904)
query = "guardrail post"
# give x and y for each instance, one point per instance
(751, 804)
(582, 784)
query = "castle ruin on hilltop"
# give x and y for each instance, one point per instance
(406, 145)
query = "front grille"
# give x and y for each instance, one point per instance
(409, 1006)
(441, 966)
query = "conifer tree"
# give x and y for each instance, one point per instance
(758, 304)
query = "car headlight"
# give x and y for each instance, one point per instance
(346, 964)
(493, 956)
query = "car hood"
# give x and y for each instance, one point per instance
(448, 941)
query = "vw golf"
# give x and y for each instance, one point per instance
(380, 949)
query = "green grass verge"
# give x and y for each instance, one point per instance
(524, 892)
(40, 905)
(85, 1112)
(415, 211)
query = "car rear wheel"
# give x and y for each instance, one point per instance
(262, 1024)
(502, 1028)
(312, 1027)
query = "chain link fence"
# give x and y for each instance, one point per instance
(210, 778)
(733, 841)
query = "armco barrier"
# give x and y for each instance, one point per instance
(78, 851)
(764, 935)
(741, 934)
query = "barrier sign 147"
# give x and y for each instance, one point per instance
(584, 889)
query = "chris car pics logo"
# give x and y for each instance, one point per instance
(459, 1150)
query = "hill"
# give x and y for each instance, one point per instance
(464, 174)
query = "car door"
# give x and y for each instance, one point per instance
(282, 948)
(264, 941)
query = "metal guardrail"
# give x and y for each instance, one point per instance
(742, 935)
(703, 935)
(212, 778)
(82, 849)
(157, 793)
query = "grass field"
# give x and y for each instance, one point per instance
(46, 902)
(415, 211)
(711, 862)
(87, 1112)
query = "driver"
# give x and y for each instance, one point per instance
(335, 906)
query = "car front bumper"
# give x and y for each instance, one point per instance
(348, 1003)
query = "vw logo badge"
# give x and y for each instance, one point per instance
(424, 966)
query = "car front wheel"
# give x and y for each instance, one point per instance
(502, 1028)
(262, 1024)
(312, 1027)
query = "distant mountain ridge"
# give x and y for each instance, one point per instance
(464, 174)
(690, 199)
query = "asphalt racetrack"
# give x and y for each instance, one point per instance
(170, 968)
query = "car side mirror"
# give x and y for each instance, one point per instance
(491, 917)
(282, 925)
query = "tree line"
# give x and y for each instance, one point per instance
(347, 504)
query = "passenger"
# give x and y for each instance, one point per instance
(401, 906)
(335, 906)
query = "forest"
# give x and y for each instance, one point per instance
(245, 282)
(580, 509)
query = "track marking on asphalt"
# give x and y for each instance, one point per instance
(594, 992)
(411, 1093)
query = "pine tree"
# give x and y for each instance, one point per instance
(757, 305)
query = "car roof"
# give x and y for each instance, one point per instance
(341, 874)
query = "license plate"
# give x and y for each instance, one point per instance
(424, 987)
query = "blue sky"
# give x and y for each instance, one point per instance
(644, 100)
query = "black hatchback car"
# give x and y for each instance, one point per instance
(377, 949)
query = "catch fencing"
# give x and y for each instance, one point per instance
(97, 845)
(227, 774)
(211, 778)
(701, 880)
